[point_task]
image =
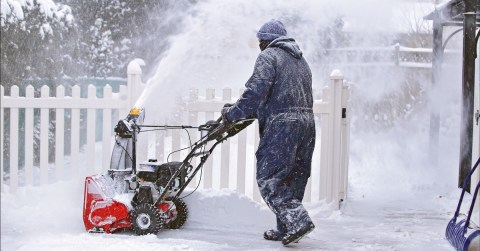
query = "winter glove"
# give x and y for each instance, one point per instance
(224, 114)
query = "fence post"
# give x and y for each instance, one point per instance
(134, 82)
(336, 81)
(44, 118)
(176, 139)
(90, 147)
(345, 142)
(75, 134)
(59, 135)
(14, 142)
(193, 120)
(225, 153)
(242, 158)
(29, 139)
(208, 166)
(134, 89)
(107, 129)
(329, 151)
(160, 146)
(325, 179)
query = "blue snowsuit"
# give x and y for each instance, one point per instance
(279, 95)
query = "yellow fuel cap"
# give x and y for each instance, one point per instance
(135, 111)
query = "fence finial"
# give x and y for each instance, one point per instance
(134, 67)
(336, 74)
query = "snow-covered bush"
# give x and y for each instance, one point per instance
(33, 40)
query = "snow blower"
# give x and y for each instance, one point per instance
(147, 199)
(461, 232)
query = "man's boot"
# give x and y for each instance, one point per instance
(298, 234)
(273, 235)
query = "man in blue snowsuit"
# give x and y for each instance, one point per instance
(279, 95)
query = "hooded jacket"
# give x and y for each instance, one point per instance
(281, 82)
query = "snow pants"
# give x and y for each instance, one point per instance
(284, 160)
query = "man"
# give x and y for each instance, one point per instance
(279, 95)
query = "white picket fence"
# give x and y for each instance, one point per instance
(235, 156)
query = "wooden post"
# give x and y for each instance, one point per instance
(44, 118)
(225, 151)
(160, 146)
(330, 144)
(242, 158)
(14, 142)
(345, 143)
(59, 135)
(134, 90)
(134, 82)
(29, 139)
(325, 176)
(241, 161)
(193, 120)
(90, 147)
(176, 144)
(337, 84)
(208, 167)
(75, 134)
(107, 129)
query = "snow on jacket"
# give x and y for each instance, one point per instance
(281, 82)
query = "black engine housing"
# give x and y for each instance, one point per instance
(161, 174)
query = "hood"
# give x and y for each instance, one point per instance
(287, 44)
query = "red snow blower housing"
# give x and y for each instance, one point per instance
(146, 198)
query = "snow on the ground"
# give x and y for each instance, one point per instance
(398, 200)
(50, 218)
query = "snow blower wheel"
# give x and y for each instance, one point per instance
(182, 214)
(146, 219)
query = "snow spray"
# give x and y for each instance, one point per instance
(390, 112)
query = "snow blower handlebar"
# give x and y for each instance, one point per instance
(221, 131)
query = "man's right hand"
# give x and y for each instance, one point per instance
(224, 114)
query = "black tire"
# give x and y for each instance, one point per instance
(145, 219)
(182, 214)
